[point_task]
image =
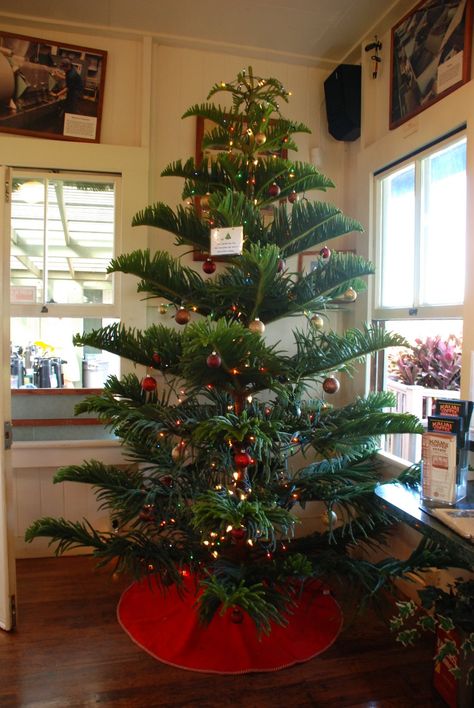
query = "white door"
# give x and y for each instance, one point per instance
(7, 562)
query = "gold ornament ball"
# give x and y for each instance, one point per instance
(163, 309)
(317, 321)
(204, 201)
(350, 295)
(260, 138)
(257, 326)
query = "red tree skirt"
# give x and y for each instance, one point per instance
(167, 627)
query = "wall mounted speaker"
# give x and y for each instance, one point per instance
(342, 92)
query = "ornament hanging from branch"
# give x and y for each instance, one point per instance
(257, 326)
(325, 253)
(350, 295)
(214, 361)
(331, 385)
(182, 316)
(317, 321)
(293, 197)
(274, 190)
(209, 266)
(149, 384)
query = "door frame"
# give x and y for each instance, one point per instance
(7, 558)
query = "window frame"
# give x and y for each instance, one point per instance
(421, 312)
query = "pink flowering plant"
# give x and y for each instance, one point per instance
(433, 363)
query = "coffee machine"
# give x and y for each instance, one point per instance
(17, 370)
(47, 372)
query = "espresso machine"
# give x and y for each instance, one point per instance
(17, 369)
(47, 372)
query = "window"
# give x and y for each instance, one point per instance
(421, 220)
(62, 238)
(63, 235)
(421, 236)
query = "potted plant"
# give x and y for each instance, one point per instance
(432, 363)
(450, 614)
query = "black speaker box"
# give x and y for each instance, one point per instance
(342, 92)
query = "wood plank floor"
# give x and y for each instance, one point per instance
(69, 650)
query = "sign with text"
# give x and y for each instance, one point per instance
(227, 241)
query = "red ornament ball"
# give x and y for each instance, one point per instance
(293, 197)
(274, 190)
(213, 360)
(238, 535)
(149, 384)
(209, 266)
(331, 385)
(156, 359)
(242, 459)
(182, 317)
(236, 616)
(325, 253)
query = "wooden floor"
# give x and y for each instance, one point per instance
(69, 650)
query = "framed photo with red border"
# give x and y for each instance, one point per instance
(50, 89)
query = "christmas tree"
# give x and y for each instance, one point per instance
(212, 428)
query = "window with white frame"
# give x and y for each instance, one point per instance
(421, 238)
(422, 233)
(63, 235)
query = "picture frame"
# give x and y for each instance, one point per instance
(203, 125)
(430, 56)
(51, 89)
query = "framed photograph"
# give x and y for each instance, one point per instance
(50, 90)
(430, 56)
(203, 126)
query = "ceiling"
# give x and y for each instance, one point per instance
(314, 32)
(75, 228)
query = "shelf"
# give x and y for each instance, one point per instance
(404, 504)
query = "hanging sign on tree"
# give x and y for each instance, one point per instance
(227, 241)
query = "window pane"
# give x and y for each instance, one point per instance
(418, 376)
(443, 227)
(43, 356)
(398, 238)
(27, 241)
(75, 229)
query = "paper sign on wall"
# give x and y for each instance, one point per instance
(227, 241)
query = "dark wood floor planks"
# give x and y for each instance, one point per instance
(70, 651)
